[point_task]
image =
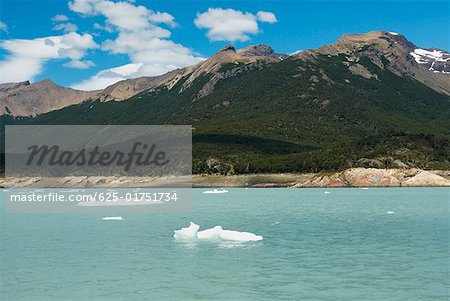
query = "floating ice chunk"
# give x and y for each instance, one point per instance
(210, 234)
(390, 212)
(112, 218)
(189, 233)
(364, 188)
(216, 191)
(239, 236)
(326, 192)
(216, 233)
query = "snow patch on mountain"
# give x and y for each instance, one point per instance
(421, 55)
(432, 57)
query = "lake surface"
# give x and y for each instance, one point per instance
(342, 245)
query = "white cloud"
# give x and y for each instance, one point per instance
(27, 57)
(77, 41)
(60, 18)
(3, 27)
(107, 28)
(166, 18)
(139, 36)
(107, 77)
(231, 25)
(265, 16)
(79, 64)
(124, 15)
(67, 27)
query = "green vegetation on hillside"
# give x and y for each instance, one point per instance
(292, 116)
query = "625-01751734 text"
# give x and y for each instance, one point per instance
(130, 197)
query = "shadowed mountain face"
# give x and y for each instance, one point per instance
(363, 101)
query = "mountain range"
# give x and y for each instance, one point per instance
(370, 100)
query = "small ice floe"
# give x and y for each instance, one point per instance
(364, 188)
(390, 212)
(112, 218)
(327, 192)
(216, 191)
(217, 233)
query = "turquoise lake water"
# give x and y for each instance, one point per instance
(337, 246)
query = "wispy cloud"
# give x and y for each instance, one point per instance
(133, 25)
(62, 24)
(3, 27)
(67, 27)
(60, 18)
(108, 77)
(231, 25)
(79, 64)
(265, 16)
(27, 57)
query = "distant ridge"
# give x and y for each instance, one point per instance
(25, 99)
(428, 66)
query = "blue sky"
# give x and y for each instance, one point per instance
(87, 40)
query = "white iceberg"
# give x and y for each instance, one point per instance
(112, 218)
(189, 233)
(216, 191)
(216, 233)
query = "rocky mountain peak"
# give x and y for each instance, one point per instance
(390, 51)
(381, 41)
(228, 48)
(261, 50)
(404, 57)
(257, 50)
(373, 36)
(12, 86)
(46, 83)
(25, 99)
